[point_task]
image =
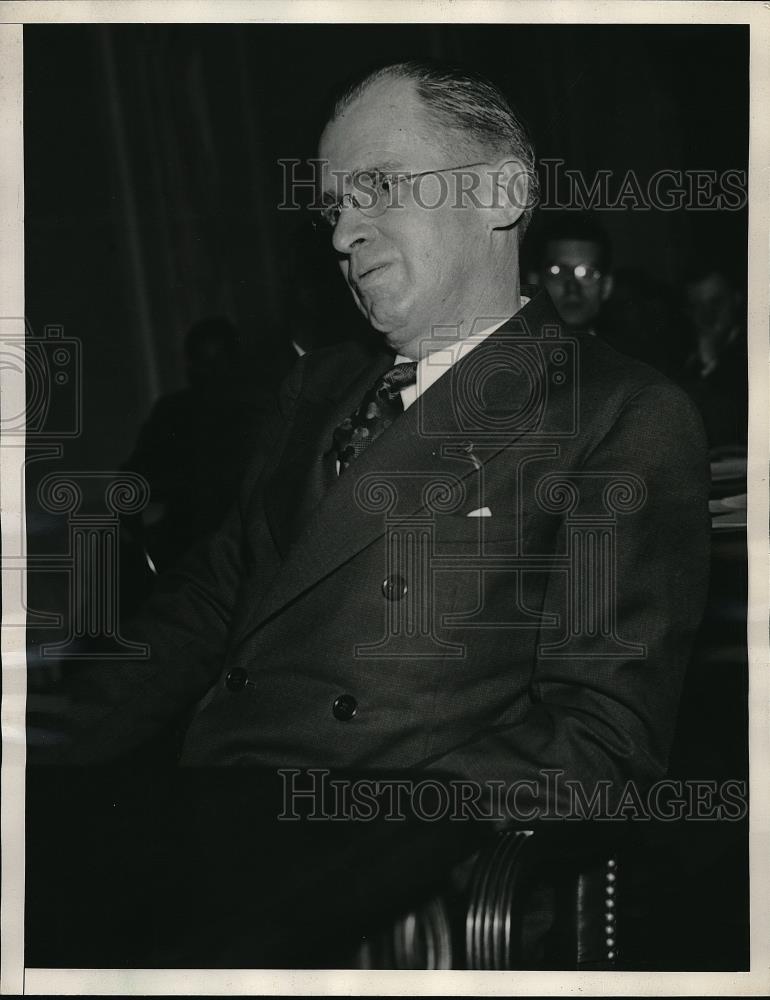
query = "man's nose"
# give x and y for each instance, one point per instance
(352, 229)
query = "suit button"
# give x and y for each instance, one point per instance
(236, 679)
(394, 587)
(344, 707)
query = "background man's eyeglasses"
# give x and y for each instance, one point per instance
(584, 274)
(374, 191)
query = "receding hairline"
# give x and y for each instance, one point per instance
(349, 100)
(445, 142)
(445, 132)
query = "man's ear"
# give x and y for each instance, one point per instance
(510, 186)
(608, 283)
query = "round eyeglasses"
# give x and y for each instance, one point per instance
(374, 192)
(584, 274)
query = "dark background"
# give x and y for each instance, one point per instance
(152, 180)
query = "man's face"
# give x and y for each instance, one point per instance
(413, 268)
(578, 296)
(712, 306)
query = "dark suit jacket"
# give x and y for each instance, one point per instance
(722, 396)
(553, 634)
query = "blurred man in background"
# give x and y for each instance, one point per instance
(716, 370)
(627, 308)
(575, 268)
(195, 444)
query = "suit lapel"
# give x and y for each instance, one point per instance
(307, 468)
(423, 446)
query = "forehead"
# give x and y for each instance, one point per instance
(385, 127)
(571, 251)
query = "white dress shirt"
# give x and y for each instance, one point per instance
(437, 363)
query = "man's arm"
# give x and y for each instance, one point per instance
(103, 708)
(598, 715)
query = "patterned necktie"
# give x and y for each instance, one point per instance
(377, 411)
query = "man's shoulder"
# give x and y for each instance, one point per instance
(595, 368)
(609, 374)
(611, 384)
(603, 364)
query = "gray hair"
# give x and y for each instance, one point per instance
(465, 103)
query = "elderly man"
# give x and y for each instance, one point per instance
(479, 551)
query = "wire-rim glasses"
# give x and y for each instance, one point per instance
(373, 193)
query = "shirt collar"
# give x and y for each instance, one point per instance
(434, 365)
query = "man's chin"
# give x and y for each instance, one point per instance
(576, 318)
(384, 321)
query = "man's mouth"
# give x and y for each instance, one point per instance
(369, 272)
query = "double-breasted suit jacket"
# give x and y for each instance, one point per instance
(507, 580)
